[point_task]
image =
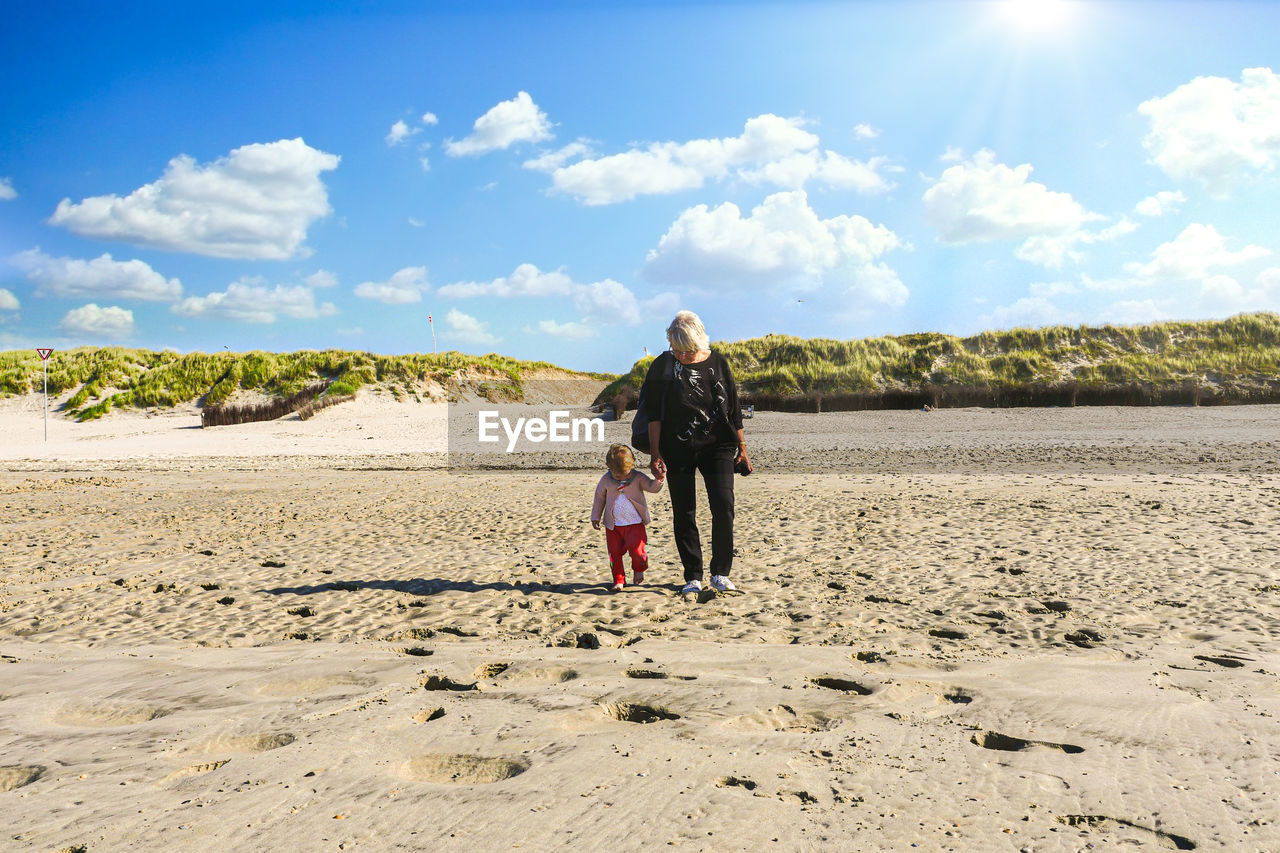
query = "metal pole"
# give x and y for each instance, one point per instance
(45, 363)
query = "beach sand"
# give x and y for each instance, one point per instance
(971, 630)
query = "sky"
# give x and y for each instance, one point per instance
(554, 180)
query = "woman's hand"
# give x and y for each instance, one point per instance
(744, 457)
(595, 522)
(658, 467)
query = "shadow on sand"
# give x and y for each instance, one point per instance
(432, 586)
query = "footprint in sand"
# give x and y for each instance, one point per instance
(193, 770)
(261, 742)
(655, 673)
(490, 670)
(1229, 661)
(735, 782)
(457, 769)
(303, 686)
(428, 714)
(1097, 821)
(15, 776)
(634, 712)
(782, 718)
(548, 674)
(436, 681)
(1085, 638)
(108, 715)
(1008, 743)
(844, 685)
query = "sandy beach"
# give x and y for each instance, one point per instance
(969, 630)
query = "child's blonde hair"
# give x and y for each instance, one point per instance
(620, 460)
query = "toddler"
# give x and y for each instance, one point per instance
(620, 504)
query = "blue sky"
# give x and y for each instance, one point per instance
(554, 180)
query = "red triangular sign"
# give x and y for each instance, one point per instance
(44, 353)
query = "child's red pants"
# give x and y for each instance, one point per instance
(626, 539)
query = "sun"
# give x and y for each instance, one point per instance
(1036, 16)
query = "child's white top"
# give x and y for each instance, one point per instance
(624, 512)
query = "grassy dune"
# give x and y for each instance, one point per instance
(1233, 360)
(116, 377)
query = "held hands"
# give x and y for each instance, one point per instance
(658, 467)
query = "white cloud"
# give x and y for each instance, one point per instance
(864, 131)
(575, 331)
(7, 192)
(783, 243)
(468, 329)
(321, 278)
(952, 154)
(430, 118)
(661, 305)
(668, 167)
(405, 286)
(101, 277)
(601, 303)
(108, 322)
(417, 223)
(425, 163)
(1028, 312)
(1049, 289)
(1222, 295)
(828, 167)
(1216, 131)
(527, 280)
(249, 300)
(981, 200)
(8, 302)
(508, 122)
(257, 202)
(1133, 311)
(549, 161)
(400, 132)
(607, 301)
(1192, 255)
(1161, 203)
(1052, 250)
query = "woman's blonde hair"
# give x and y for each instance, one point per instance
(687, 333)
(620, 460)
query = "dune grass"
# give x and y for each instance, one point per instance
(1233, 360)
(116, 377)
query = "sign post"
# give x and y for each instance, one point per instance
(44, 362)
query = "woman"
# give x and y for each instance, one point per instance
(695, 425)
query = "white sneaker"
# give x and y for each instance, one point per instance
(691, 586)
(722, 584)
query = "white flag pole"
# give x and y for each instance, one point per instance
(433, 333)
(44, 363)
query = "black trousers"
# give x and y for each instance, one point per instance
(716, 465)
